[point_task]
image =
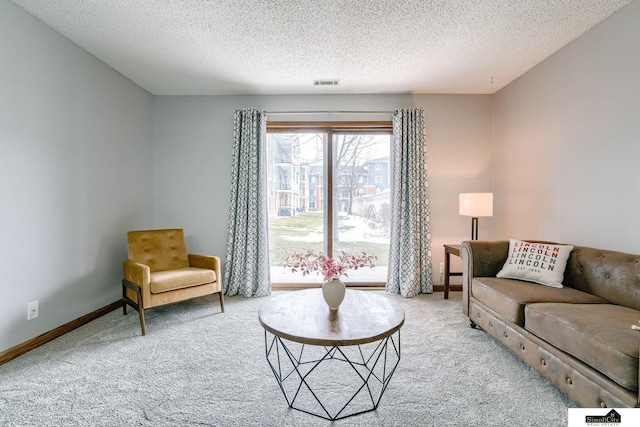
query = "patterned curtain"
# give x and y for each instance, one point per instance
(410, 247)
(247, 269)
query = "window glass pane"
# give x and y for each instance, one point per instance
(361, 187)
(296, 197)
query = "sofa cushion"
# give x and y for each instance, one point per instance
(541, 263)
(170, 280)
(509, 297)
(599, 335)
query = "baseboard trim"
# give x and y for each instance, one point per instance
(36, 342)
(440, 288)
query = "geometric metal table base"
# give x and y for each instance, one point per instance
(333, 382)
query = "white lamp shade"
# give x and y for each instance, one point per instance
(476, 204)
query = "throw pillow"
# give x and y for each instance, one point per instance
(536, 262)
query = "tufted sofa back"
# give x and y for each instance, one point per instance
(159, 249)
(612, 276)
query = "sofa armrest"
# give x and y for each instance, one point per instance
(480, 258)
(206, 261)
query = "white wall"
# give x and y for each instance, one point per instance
(76, 150)
(567, 142)
(192, 157)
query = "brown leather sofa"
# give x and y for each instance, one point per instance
(579, 337)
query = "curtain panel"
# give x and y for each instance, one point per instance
(410, 269)
(247, 262)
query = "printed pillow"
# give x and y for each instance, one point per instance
(536, 262)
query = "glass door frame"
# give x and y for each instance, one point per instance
(330, 128)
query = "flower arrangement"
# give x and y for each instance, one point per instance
(331, 268)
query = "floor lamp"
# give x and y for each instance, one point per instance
(476, 205)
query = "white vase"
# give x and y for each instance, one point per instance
(333, 292)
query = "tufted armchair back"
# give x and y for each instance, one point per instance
(159, 249)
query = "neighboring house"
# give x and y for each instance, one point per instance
(378, 176)
(286, 177)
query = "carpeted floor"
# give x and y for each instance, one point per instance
(198, 367)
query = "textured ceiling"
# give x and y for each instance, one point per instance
(220, 47)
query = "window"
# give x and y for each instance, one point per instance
(331, 206)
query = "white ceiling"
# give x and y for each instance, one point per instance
(229, 47)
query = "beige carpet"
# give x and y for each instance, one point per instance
(197, 367)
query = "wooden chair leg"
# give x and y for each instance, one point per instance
(140, 310)
(221, 302)
(124, 299)
(142, 325)
(137, 304)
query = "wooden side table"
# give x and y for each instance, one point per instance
(448, 251)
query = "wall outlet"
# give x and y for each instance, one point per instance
(442, 268)
(33, 310)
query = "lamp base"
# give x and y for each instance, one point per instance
(474, 228)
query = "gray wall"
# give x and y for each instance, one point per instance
(193, 142)
(76, 144)
(567, 142)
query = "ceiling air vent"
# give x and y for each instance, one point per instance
(326, 82)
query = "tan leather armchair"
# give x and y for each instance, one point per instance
(159, 271)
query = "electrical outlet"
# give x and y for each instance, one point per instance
(33, 310)
(442, 268)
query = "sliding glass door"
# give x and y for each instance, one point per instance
(328, 190)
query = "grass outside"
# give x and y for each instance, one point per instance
(305, 231)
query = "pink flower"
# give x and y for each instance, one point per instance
(331, 268)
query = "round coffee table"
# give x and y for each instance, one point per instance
(332, 364)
